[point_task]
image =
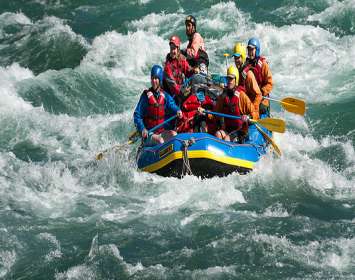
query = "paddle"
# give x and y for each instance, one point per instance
(269, 139)
(226, 55)
(132, 138)
(291, 104)
(272, 124)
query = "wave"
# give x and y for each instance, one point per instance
(45, 44)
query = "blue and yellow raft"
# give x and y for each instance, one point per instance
(203, 155)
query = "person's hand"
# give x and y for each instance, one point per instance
(185, 91)
(200, 110)
(179, 114)
(144, 133)
(244, 118)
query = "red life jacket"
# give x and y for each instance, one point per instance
(155, 113)
(177, 66)
(231, 107)
(256, 70)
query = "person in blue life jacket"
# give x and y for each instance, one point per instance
(151, 108)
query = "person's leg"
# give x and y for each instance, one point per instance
(221, 134)
(168, 134)
(233, 136)
(157, 139)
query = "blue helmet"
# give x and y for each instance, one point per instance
(255, 43)
(157, 71)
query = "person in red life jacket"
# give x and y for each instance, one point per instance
(192, 120)
(176, 68)
(234, 101)
(257, 77)
(195, 52)
(151, 108)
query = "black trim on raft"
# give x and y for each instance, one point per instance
(201, 167)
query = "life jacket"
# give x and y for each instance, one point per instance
(231, 107)
(155, 113)
(256, 70)
(200, 57)
(176, 66)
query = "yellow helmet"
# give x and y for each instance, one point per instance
(233, 72)
(240, 49)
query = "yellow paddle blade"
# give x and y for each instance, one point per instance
(294, 105)
(226, 54)
(269, 139)
(272, 124)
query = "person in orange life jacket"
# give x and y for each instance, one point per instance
(194, 99)
(239, 55)
(150, 110)
(195, 52)
(234, 101)
(257, 77)
(176, 68)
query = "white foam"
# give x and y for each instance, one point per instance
(338, 253)
(57, 27)
(337, 9)
(126, 56)
(77, 272)
(224, 17)
(7, 260)
(194, 193)
(297, 166)
(56, 253)
(275, 211)
(14, 18)
(9, 77)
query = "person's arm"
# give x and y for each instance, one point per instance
(139, 113)
(174, 88)
(246, 106)
(253, 90)
(187, 69)
(267, 79)
(170, 105)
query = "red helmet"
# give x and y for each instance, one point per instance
(175, 40)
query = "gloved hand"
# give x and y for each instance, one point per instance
(244, 118)
(200, 110)
(144, 133)
(185, 91)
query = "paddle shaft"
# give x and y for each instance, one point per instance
(269, 139)
(223, 115)
(269, 98)
(272, 124)
(162, 124)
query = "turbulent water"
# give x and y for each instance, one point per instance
(71, 73)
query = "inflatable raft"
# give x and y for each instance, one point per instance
(203, 155)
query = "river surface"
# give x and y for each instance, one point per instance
(71, 73)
